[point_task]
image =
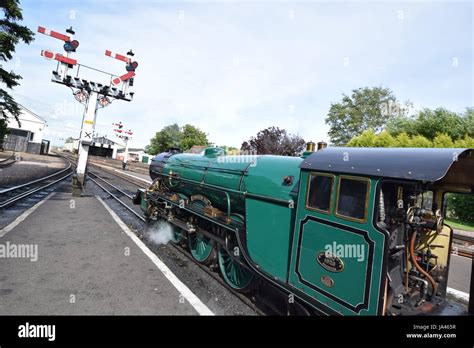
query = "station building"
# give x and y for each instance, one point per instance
(100, 146)
(27, 134)
(135, 155)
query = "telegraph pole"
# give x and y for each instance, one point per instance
(92, 95)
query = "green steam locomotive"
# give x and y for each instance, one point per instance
(337, 231)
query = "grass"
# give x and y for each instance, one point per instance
(460, 225)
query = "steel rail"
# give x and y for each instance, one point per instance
(30, 192)
(118, 200)
(112, 185)
(35, 181)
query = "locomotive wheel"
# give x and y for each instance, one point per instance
(201, 247)
(235, 275)
(177, 236)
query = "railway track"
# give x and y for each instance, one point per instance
(118, 193)
(7, 161)
(462, 238)
(14, 194)
(463, 245)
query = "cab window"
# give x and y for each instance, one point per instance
(352, 198)
(319, 193)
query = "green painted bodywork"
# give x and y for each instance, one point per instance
(276, 240)
(268, 225)
(351, 288)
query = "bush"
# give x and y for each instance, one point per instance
(443, 140)
(460, 206)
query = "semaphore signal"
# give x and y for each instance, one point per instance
(93, 95)
(55, 34)
(130, 67)
(59, 57)
(125, 136)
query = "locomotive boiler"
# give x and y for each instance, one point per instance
(342, 231)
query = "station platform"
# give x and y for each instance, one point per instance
(87, 264)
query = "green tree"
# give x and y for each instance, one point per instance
(192, 136)
(443, 140)
(466, 142)
(175, 136)
(3, 131)
(403, 140)
(275, 141)
(420, 141)
(384, 139)
(367, 108)
(469, 119)
(429, 123)
(230, 150)
(169, 136)
(460, 206)
(366, 139)
(10, 35)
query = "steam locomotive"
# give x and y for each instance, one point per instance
(341, 231)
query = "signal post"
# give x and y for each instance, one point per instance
(125, 136)
(92, 95)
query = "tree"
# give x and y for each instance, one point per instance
(169, 136)
(466, 142)
(10, 35)
(175, 136)
(367, 108)
(420, 141)
(384, 139)
(274, 141)
(230, 150)
(3, 131)
(460, 206)
(368, 138)
(442, 140)
(403, 140)
(192, 136)
(429, 123)
(469, 118)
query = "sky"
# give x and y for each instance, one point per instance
(234, 68)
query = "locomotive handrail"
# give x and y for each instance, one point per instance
(223, 170)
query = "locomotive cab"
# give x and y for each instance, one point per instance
(369, 235)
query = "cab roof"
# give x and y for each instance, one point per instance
(424, 164)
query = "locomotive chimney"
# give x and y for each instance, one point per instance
(310, 146)
(321, 145)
